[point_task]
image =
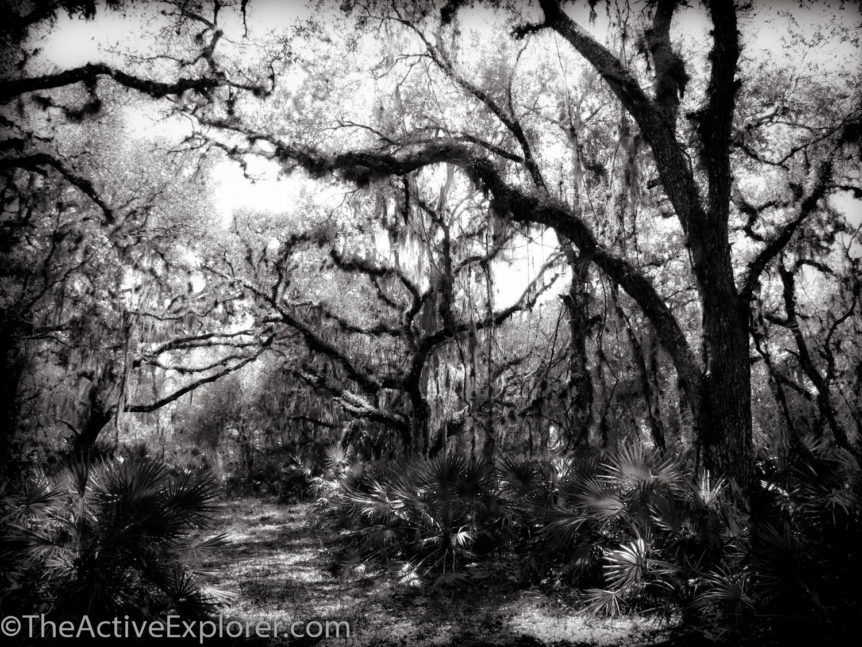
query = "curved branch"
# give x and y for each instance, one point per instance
(821, 383)
(508, 119)
(176, 395)
(611, 69)
(37, 160)
(515, 204)
(90, 73)
(655, 124)
(352, 403)
(780, 241)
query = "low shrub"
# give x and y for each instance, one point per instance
(430, 513)
(107, 538)
(628, 531)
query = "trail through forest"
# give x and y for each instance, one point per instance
(276, 564)
(560, 302)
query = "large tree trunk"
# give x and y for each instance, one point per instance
(719, 395)
(724, 420)
(97, 418)
(725, 415)
(580, 383)
(98, 413)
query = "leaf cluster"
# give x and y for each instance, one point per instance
(108, 538)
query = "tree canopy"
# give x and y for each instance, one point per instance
(490, 226)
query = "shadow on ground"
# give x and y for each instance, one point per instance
(275, 566)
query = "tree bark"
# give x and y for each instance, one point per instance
(721, 397)
(724, 418)
(419, 420)
(580, 382)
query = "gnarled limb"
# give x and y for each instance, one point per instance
(773, 248)
(36, 161)
(821, 384)
(515, 203)
(90, 74)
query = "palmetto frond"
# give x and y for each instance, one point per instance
(602, 602)
(38, 496)
(35, 499)
(563, 526)
(115, 536)
(517, 476)
(76, 477)
(27, 545)
(131, 481)
(189, 498)
(378, 503)
(462, 538)
(335, 460)
(779, 564)
(185, 596)
(726, 587)
(558, 469)
(455, 474)
(201, 549)
(709, 490)
(671, 517)
(598, 500)
(630, 466)
(428, 511)
(626, 566)
(826, 485)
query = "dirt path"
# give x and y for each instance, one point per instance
(275, 565)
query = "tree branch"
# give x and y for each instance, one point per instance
(824, 400)
(90, 73)
(714, 123)
(176, 395)
(780, 241)
(658, 130)
(516, 204)
(36, 160)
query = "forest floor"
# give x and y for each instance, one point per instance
(275, 565)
